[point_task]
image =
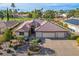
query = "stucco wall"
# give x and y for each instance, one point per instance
(39, 34)
(25, 34)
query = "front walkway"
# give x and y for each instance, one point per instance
(62, 47)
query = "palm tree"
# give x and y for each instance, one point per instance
(7, 15)
(13, 6)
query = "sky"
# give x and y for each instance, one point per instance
(45, 6)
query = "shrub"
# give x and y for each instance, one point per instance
(34, 42)
(77, 40)
(7, 35)
(69, 37)
(20, 37)
(75, 37)
(34, 45)
(2, 39)
(65, 25)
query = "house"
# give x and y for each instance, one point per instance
(20, 15)
(44, 30)
(61, 15)
(73, 24)
(23, 29)
(7, 24)
(50, 30)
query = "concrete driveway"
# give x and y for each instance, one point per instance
(63, 47)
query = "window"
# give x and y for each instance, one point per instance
(21, 33)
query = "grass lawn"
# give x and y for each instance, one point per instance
(18, 19)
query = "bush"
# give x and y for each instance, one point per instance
(77, 40)
(7, 35)
(2, 39)
(75, 37)
(34, 45)
(20, 37)
(34, 42)
(69, 37)
(65, 25)
(72, 37)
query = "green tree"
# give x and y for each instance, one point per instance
(13, 6)
(37, 13)
(49, 14)
(7, 35)
(1, 15)
(61, 11)
(71, 13)
(76, 14)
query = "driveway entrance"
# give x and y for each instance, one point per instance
(62, 47)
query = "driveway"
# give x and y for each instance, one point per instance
(63, 47)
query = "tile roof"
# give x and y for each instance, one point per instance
(7, 24)
(25, 26)
(49, 27)
(37, 22)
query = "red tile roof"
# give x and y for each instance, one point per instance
(49, 27)
(27, 24)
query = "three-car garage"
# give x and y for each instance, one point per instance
(50, 30)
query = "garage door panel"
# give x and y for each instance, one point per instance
(52, 35)
(60, 35)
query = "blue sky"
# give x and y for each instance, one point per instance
(45, 6)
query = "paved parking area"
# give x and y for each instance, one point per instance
(63, 47)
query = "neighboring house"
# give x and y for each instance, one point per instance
(73, 24)
(7, 24)
(61, 16)
(51, 30)
(20, 15)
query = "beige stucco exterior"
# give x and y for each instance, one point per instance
(25, 34)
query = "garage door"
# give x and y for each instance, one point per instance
(49, 35)
(60, 35)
